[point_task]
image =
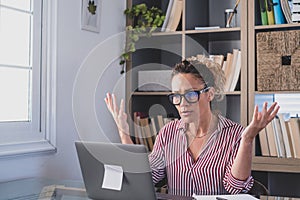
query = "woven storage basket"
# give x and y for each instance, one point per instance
(278, 60)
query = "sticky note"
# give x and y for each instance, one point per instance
(113, 177)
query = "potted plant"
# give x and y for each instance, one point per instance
(144, 22)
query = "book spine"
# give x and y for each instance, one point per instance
(296, 17)
(264, 143)
(271, 140)
(278, 14)
(263, 12)
(168, 12)
(270, 12)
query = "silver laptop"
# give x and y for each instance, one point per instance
(137, 179)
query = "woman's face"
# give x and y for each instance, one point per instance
(191, 112)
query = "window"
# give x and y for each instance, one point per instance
(27, 76)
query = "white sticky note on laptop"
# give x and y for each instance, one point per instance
(113, 177)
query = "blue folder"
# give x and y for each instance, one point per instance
(278, 14)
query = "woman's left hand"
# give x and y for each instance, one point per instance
(260, 120)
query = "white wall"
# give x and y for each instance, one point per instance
(73, 46)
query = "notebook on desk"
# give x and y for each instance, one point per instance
(115, 171)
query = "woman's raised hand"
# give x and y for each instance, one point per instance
(119, 116)
(261, 119)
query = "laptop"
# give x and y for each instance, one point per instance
(133, 159)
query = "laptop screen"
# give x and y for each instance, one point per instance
(132, 160)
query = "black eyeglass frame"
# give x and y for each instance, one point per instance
(170, 96)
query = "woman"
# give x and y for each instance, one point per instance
(203, 152)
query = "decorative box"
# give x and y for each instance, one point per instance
(278, 60)
(154, 80)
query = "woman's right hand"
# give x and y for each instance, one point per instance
(119, 116)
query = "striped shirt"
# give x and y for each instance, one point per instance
(210, 174)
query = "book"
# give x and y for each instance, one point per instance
(136, 127)
(144, 123)
(271, 140)
(263, 12)
(294, 127)
(175, 15)
(217, 59)
(278, 14)
(295, 8)
(237, 70)
(279, 138)
(224, 65)
(148, 133)
(141, 137)
(295, 17)
(231, 70)
(286, 138)
(153, 128)
(286, 10)
(264, 146)
(288, 130)
(270, 12)
(228, 69)
(160, 121)
(168, 12)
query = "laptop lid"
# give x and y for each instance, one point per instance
(133, 159)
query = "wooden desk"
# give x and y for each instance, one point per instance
(46, 189)
(58, 191)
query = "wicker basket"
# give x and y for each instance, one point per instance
(278, 60)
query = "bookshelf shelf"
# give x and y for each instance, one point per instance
(277, 26)
(273, 164)
(186, 42)
(165, 33)
(221, 30)
(233, 93)
(277, 92)
(264, 163)
(151, 93)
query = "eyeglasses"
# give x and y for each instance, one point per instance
(190, 96)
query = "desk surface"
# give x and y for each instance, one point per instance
(46, 189)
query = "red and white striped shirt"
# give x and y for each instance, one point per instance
(210, 174)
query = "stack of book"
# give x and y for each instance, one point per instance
(146, 128)
(274, 12)
(281, 137)
(232, 68)
(173, 15)
(295, 10)
(266, 12)
(231, 65)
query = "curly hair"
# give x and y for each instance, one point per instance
(208, 72)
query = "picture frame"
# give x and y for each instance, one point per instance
(90, 15)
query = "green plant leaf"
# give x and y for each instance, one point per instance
(145, 21)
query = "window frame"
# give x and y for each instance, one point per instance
(29, 142)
